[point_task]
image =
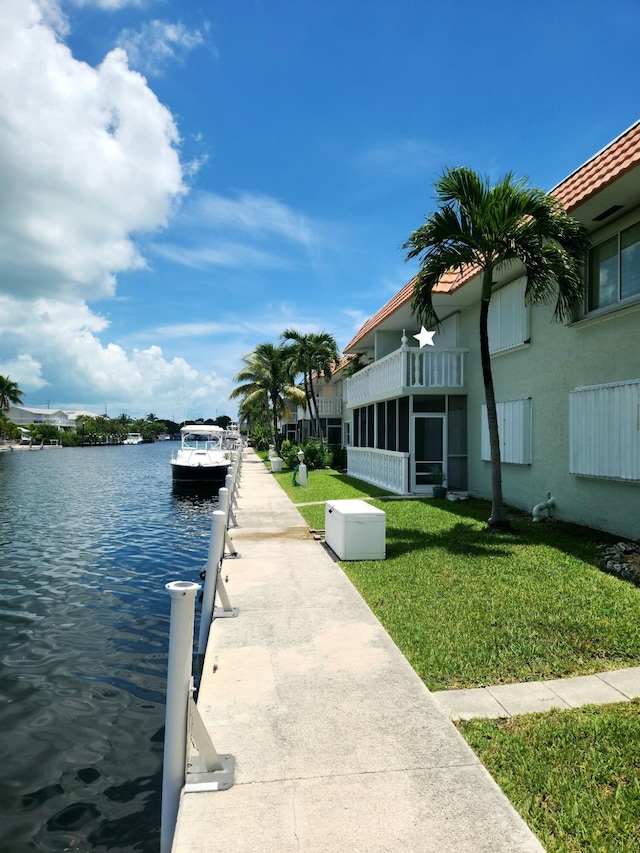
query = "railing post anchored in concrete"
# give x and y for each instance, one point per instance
(183, 595)
(213, 582)
(223, 503)
(229, 486)
(207, 771)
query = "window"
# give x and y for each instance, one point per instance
(508, 317)
(382, 426)
(604, 431)
(334, 431)
(514, 427)
(614, 269)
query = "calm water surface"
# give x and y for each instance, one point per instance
(88, 539)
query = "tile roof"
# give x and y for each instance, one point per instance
(387, 310)
(448, 283)
(620, 156)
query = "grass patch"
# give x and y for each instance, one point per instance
(574, 776)
(326, 484)
(470, 608)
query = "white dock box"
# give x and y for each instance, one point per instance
(355, 530)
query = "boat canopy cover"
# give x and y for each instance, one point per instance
(202, 429)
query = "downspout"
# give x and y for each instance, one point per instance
(542, 506)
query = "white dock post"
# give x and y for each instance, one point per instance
(216, 550)
(228, 484)
(223, 503)
(183, 595)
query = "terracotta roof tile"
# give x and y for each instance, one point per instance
(620, 156)
(402, 297)
(448, 283)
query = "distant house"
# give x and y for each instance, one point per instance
(23, 417)
(568, 395)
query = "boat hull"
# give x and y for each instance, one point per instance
(212, 476)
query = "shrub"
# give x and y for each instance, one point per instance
(289, 454)
(71, 439)
(260, 438)
(313, 455)
(337, 457)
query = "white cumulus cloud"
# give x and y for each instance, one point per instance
(61, 339)
(88, 156)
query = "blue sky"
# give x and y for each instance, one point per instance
(183, 179)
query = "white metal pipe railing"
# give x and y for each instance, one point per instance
(216, 550)
(223, 506)
(228, 484)
(178, 686)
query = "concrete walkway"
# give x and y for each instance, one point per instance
(507, 700)
(339, 746)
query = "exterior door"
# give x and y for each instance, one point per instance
(429, 451)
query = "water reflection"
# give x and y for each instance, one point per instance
(89, 536)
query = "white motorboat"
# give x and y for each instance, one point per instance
(232, 437)
(133, 438)
(201, 459)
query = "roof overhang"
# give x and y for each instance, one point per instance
(602, 190)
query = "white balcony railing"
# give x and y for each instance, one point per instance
(385, 468)
(404, 371)
(328, 407)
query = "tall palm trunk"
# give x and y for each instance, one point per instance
(276, 435)
(317, 415)
(309, 395)
(498, 519)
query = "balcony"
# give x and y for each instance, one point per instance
(407, 371)
(328, 407)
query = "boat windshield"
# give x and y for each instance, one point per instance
(201, 442)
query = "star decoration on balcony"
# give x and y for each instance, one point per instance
(425, 338)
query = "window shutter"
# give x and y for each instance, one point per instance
(514, 427)
(508, 322)
(604, 431)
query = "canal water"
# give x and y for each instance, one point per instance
(88, 539)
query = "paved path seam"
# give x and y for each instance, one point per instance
(509, 700)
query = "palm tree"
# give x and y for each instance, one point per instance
(313, 354)
(10, 394)
(489, 228)
(268, 376)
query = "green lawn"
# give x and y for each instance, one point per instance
(468, 608)
(323, 483)
(574, 776)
